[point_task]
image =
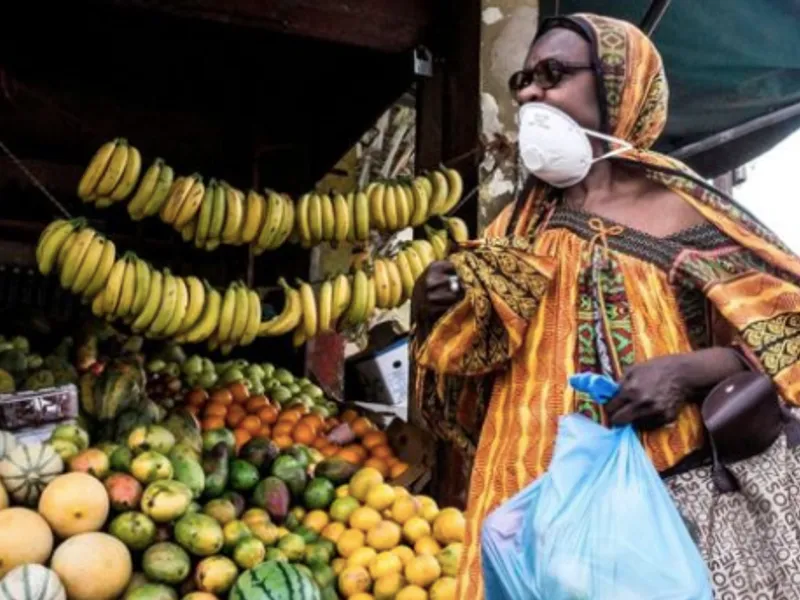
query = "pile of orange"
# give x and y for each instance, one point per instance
(372, 449)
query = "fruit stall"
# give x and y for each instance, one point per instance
(161, 436)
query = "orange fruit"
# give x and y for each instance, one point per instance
(358, 449)
(373, 439)
(362, 426)
(215, 410)
(222, 396)
(330, 450)
(268, 414)
(391, 461)
(379, 465)
(398, 469)
(235, 415)
(349, 415)
(349, 455)
(265, 431)
(313, 421)
(303, 434)
(239, 392)
(251, 423)
(383, 452)
(289, 416)
(283, 428)
(330, 424)
(242, 436)
(319, 443)
(210, 423)
(196, 397)
(283, 441)
(256, 403)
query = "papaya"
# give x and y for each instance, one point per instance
(190, 473)
(272, 494)
(151, 466)
(215, 466)
(199, 534)
(215, 436)
(165, 501)
(337, 470)
(260, 452)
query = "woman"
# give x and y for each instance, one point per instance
(639, 271)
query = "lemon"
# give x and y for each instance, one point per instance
(427, 545)
(363, 481)
(362, 557)
(283, 532)
(384, 536)
(428, 508)
(332, 531)
(381, 497)
(338, 565)
(342, 491)
(350, 541)
(404, 508)
(412, 592)
(316, 520)
(299, 513)
(253, 516)
(354, 580)
(364, 518)
(450, 526)
(404, 552)
(401, 492)
(416, 528)
(388, 586)
(443, 589)
(449, 558)
(341, 508)
(423, 570)
(385, 563)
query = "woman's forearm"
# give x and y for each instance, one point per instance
(706, 368)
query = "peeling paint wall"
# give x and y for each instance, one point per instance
(507, 28)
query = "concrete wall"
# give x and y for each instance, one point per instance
(507, 28)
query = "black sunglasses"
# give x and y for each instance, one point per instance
(546, 74)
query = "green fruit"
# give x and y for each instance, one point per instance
(284, 582)
(213, 437)
(332, 408)
(207, 380)
(309, 535)
(254, 373)
(342, 508)
(71, 433)
(249, 552)
(134, 529)
(269, 370)
(172, 369)
(221, 510)
(294, 388)
(156, 366)
(21, 343)
(260, 452)
(281, 395)
(166, 563)
(243, 475)
(208, 366)
(194, 507)
(293, 546)
(232, 375)
(152, 591)
(193, 366)
(316, 556)
(314, 392)
(271, 385)
(272, 494)
(199, 534)
(291, 472)
(151, 437)
(234, 532)
(107, 447)
(300, 454)
(215, 574)
(320, 411)
(137, 580)
(65, 449)
(323, 575)
(319, 493)
(277, 555)
(284, 376)
(337, 470)
(166, 500)
(190, 473)
(120, 459)
(35, 361)
(151, 466)
(330, 593)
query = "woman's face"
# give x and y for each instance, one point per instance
(576, 93)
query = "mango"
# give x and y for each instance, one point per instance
(166, 563)
(91, 461)
(164, 500)
(215, 574)
(124, 491)
(151, 437)
(272, 494)
(199, 534)
(190, 473)
(260, 452)
(337, 470)
(151, 466)
(134, 529)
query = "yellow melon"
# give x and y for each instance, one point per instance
(74, 503)
(26, 539)
(92, 566)
(3, 497)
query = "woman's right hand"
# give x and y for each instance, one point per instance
(434, 294)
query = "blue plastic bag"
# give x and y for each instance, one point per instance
(599, 525)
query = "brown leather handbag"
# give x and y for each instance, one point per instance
(744, 415)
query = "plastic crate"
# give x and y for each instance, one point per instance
(38, 407)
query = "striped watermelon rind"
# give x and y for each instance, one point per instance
(27, 470)
(273, 580)
(31, 582)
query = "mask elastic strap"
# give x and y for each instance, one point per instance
(624, 146)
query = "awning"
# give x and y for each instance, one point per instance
(733, 68)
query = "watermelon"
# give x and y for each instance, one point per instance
(273, 580)
(7, 442)
(31, 582)
(27, 470)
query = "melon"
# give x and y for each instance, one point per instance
(74, 503)
(92, 566)
(7, 442)
(31, 582)
(27, 470)
(273, 580)
(3, 497)
(26, 538)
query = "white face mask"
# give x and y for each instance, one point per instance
(554, 148)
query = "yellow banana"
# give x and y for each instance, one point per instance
(188, 231)
(194, 306)
(253, 216)
(144, 192)
(88, 265)
(217, 217)
(66, 247)
(128, 291)
(97, 166)
(290, 316)
(403, 207)
(234, 213)
(166, 177)
(351, 211)
(240, 315)
(299, 337)
(102, 271)
(440, 192)
(414, 261)
(371, 298)
(341, 218)
(315, 219)
(425, 251)
(390, 209)
(303, 226)
(98, 306)
(426, 185)
(178, 192)
(457, 229)
(287, 223)
(253, 318)
(181, 305)
(356, 311)
(325, 306)
(204, 216)
(50, 244)
(114, 170)
(142, 287)
(328, 218)
(341, 296)
(406, 274)
(227, 314)
(310, 317)
(191, 205)
(455, 188)
(377, 215)
(395, 284)
(46, 232)
(73, 260)
(209, 320)
(133, 168)
(361, 212)
(113, 287)
(421, 202)
(383, 291)
(152, 305)
(274, 219)
(169, 299)
(439, 241)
